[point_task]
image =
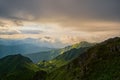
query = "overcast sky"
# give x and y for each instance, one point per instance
(69, 21)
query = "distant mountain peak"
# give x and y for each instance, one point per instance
(17, 57)
(17, 67)
(82, 44)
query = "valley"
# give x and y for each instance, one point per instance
(91, 62)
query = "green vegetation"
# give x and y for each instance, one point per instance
(101, 62)
(40, 75)
(98, 62)
(49, 55)
(61, 60)
(17, 67)
(46, 55)
(70, 53)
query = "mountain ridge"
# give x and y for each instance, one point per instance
(21, 49)
(17, 67)
(49, 55)
(101, 62)
(68, 54)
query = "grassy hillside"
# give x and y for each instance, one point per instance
(46, 55)
(101, 62)
(70, 53)
(49, 55)
(17, 67)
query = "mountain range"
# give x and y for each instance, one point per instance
(51, 54)
(99, 61)
(17, 67)
(65, 56)
(21, 49)
(23, 46)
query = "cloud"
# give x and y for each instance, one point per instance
(47, 37)
(18, 22)
(31, 31)
(67, 13)
(10, 23)
(93, 26)
(78, 19)
(74, 9)
(8, 32)
(2, 24)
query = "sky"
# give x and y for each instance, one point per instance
(65, 21)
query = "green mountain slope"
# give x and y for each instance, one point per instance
(46, 55)
(49, 55)
(101, 62)
(17, 67)
(71, 53)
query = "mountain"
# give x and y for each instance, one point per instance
(48, 55)
(21, 49)
(68, 54)
(61, 60)
(100, 62)
(17, 67)
(45, 55)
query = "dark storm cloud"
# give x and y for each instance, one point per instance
(72, 9)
